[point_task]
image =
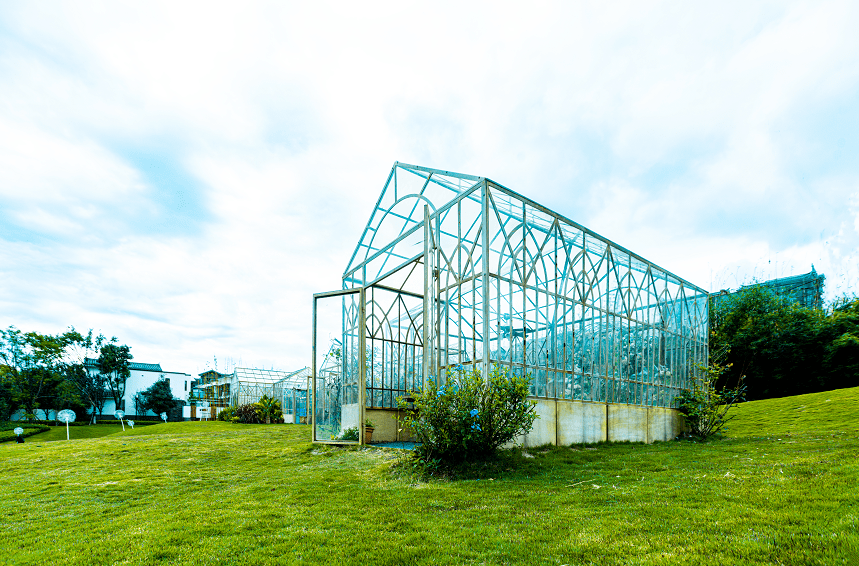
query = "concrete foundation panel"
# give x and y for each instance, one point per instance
(576, 422)
(580, 423)
(627, 422)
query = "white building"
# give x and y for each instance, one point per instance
(141, 378)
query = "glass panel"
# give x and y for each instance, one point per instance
(337, 412)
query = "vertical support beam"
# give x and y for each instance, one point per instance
(312, 411)
(427, 321)
(362, 364)
(484, 221)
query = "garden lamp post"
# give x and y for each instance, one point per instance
(18, 432)
(67, 416)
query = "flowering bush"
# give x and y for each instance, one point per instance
(226, 414)
(469, 417)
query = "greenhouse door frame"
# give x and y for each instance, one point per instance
(362, 365)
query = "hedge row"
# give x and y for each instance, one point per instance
(7, 433)
(136, 422)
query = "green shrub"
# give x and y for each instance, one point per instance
(469, 417)
(61, 423)
(247, 414)
(136, 422)
(268, 410)
(7, 432)
(226, 414)
(350, 433)
(705, 406)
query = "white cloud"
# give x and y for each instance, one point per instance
(186, 176)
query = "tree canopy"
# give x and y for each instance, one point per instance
(159, 397)
(785, 349)
(31, 370)
(113, 362)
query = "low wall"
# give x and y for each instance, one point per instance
(564, 422)
(388, 425)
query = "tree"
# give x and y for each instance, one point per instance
(113, 363)
(31, 368)
(159, 396)
(785, 349)
(90, 385)
(140, 407)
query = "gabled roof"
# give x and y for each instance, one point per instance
(296, 379)
(401, 205)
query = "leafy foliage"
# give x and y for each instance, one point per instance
(246, 414)
(140, 401)
(30, 368)
(784, 349)
(113, 362)
(350, 433)
(159, 397)
(469, 417)
(704, 406)
(227, 414)
(7, 433)
(269, 410)
(90, 386)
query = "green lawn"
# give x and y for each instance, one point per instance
(75, 433)
(783, 490)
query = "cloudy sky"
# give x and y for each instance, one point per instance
(185, 175)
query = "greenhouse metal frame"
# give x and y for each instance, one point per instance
(457, 270)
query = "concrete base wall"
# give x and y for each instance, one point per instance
(388, 425)
(561, 422)
(576, 422)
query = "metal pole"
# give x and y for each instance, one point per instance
(427, 331)
(312, 412)
(362, 364)
(485, 365)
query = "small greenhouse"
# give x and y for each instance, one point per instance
(455, 269)
(291, 390)
(248, 385)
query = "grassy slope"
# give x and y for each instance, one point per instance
(208, 493)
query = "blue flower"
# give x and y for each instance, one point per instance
(473, 412)
(475, 426)
(440, 392)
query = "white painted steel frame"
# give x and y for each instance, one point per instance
(361, 366)
(504, 280)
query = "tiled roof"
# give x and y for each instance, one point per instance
(93, 363)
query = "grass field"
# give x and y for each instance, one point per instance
(783, 489)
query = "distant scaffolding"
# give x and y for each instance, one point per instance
(456, 270)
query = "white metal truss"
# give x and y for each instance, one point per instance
(459, 270)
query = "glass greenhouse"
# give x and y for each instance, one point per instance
(248, 385)
(455, 269)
